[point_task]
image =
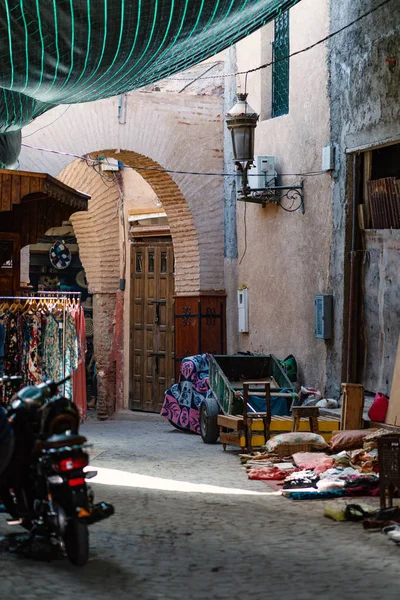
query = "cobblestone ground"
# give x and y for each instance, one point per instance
(234, 540)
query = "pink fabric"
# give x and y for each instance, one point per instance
(79, 375)
(269, 473)
(314, 461)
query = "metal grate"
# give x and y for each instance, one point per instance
(280, 70)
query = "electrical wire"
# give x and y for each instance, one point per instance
(97, 161)
(48, 125)
(245, 233)
(296, 53)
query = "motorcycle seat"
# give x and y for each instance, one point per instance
(59, 441)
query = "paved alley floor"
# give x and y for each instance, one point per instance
(189, 524)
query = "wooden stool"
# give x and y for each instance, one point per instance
(309, 412)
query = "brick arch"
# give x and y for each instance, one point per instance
(180, 219)
(97, 230)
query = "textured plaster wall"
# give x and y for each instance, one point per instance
(284, 257)
(365, 112)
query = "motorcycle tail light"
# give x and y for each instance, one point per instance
(71, 464)
(76, 481)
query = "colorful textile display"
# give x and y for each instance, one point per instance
(182, 401)
(45, 340)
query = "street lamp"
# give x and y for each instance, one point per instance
(241, 121)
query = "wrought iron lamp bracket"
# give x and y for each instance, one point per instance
(272, 194)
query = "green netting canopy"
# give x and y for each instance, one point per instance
(68, 51)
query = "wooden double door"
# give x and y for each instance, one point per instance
(152, 323)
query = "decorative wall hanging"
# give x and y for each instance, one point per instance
(60, 255)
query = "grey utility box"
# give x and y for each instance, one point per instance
(323, 317)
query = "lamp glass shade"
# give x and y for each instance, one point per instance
(241, 122)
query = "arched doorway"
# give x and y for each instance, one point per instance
(135, 280)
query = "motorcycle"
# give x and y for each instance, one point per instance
(44, 487)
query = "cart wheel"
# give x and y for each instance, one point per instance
(209, 411)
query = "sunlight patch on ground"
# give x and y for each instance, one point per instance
(124, 478)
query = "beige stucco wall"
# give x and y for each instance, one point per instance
(284, 257)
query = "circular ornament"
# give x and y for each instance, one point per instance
(60, 255)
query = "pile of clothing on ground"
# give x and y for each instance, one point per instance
(346, 467)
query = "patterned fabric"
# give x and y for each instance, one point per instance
(13, 345)
(53, 351)
(182, 401)
(33, 356)
(51, 355)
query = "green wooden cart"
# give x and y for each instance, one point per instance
(228, 375)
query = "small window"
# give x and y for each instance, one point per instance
(151, 262)
(139, 263)
(280, 69)
(163, 262)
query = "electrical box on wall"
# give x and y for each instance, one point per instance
(262, 173)
(328, 158)
(243, 310)
(323, 317)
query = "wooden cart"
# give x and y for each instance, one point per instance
(233, 381)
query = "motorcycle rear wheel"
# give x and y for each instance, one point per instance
(76, 541)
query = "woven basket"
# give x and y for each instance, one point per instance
(289, 449)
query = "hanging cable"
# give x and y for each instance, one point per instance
(97, 161)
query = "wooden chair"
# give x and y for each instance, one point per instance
(250, 417)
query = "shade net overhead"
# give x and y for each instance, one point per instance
(69, 51)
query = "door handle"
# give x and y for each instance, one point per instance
(157, 318)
